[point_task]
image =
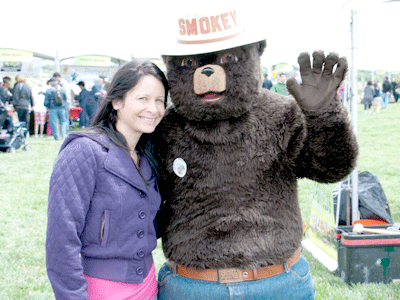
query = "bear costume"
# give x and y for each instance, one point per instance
(230, 154)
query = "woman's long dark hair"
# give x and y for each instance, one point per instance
(126, 78)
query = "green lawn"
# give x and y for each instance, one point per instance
(24, 178)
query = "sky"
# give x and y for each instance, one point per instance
(142, 28)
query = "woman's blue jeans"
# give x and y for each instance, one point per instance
(294, 283)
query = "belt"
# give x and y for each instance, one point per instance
(235, 275)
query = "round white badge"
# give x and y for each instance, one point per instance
(180, 167)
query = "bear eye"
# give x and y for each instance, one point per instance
(228, 58)
(188, 62)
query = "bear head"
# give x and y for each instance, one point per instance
(217, 85)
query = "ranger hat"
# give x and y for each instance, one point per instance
(212, 28)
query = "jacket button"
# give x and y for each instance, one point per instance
(140, 254)
(140, 234)
(139, 271)
(142, 215)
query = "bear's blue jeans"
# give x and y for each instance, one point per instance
(294, 283)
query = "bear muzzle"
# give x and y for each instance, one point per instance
(210, 82)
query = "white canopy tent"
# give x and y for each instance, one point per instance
(130, 29)
(313, 25)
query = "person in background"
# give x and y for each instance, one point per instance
(369, 93)
(56, 113)
(341, 93)
(40, 114)
(83, 98)
(103, 196)
(22, 100)
(267, 84)
(5, 97)
(98, 88)
(376, 102)
(386, 90)
(394, 88)
(65, 85)
(96, 96)
(5, 94)
(280, 86)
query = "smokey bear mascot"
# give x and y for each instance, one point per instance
(230, 155)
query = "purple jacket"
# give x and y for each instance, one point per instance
(99, 207)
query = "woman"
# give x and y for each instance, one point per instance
(369, 93)
(103, 196)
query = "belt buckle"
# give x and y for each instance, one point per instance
(229, 275)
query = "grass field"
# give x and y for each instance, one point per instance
(24, 178)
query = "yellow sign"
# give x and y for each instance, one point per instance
(15, 55)
(380, 72)
(286, 68)
(322, 223)
(92, 60)
(282, 67)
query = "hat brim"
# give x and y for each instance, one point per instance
(180, 49)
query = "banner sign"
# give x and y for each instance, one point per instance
(92, 60)
(27, 68)
(15, 55)
(69, 70)
(322, 223)
(289, 69)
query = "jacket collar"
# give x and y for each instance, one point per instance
(119, 162)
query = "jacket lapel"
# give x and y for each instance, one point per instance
(119, 163)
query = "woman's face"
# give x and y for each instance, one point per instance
(142, 109)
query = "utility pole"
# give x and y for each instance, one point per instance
(57, 63)
(354, 175)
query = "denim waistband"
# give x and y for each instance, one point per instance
(122, 270)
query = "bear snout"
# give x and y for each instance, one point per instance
(209, 79)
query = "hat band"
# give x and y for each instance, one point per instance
(196, 42)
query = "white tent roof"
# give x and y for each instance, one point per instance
(313, 25)
(126, 29)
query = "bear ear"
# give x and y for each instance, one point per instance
(164, 58)
(261, 46)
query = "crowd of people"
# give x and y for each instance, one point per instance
(42, 103)
(21, 99)
(377, 96)
(279, 86)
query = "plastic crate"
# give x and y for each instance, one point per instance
(367, 258)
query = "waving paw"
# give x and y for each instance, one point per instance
(319, 83)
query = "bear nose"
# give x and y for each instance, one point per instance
(207, 71)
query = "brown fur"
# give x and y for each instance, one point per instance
(237, 204)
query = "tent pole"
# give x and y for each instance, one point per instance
(57, 63)
(354, 175)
